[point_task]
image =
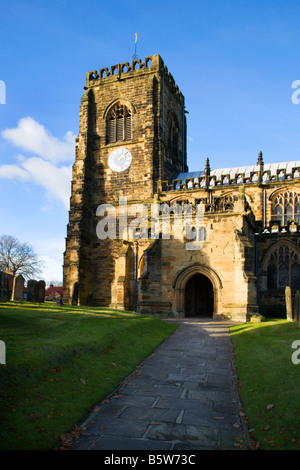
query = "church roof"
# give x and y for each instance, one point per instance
(272, 167)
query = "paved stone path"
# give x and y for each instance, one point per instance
(182, 397)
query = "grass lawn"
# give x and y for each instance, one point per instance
(60, 361)
(268, 376)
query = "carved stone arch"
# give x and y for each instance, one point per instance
(290, 187)
(180, 283)
(118, 117)
(285, 204)
(235, 192)
(172, 115)
(190, 199)
(269, 252)
(119, 100)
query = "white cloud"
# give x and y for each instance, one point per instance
(13, 172)
(32, 136)
(55, 180)
(45, 170)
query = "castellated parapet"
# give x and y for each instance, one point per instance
(125, 71)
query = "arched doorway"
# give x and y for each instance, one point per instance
(199, 297)
(180, 284)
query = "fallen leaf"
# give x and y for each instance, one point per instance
(83, 381)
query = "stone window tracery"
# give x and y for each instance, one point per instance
(119, 124)
(172, 132)
(286, 206)
(283, 268)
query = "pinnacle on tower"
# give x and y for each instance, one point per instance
(260, 160)
(207, 167)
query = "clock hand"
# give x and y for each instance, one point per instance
(123, 156)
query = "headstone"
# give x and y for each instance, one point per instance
(18, 288)
(41, 291)
(32, 291)
(75, 293)
(297, 307)
(288, 302)
(4, 287)
(2, 352)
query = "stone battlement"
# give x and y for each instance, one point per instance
(126, 70)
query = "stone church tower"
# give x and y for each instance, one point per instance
(131, 158)
(135, 107)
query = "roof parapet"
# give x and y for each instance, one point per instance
(151, 63)
(125, 70)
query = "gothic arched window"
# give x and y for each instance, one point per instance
(283, 268)
(119, 124)
(286, 206)
(173, 132)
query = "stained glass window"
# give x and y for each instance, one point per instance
(287, 207)
(283, 268)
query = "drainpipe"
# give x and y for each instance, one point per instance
(135, 254)
(183, 138)
(163, 124)
(255, 255)
(264, 207)
(163, 108)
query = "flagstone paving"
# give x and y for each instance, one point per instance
(183, 396)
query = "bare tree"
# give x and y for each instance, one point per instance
(55, 283)
(19, 258)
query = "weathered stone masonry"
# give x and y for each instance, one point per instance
(250, 235)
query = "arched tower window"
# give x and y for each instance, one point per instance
(119, 124)
(283, 268)
(173, 132)
(286, 206)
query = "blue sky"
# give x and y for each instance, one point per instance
(234, 61)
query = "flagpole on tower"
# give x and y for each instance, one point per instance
(134, 57)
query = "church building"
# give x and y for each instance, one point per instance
(145, 234)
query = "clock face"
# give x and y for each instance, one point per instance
(120, 159)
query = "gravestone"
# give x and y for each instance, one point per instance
(41, 291)
(75, 293)
(4, 287)
(296, 307)
(288, 302)
(32, 291)
(18, 288)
